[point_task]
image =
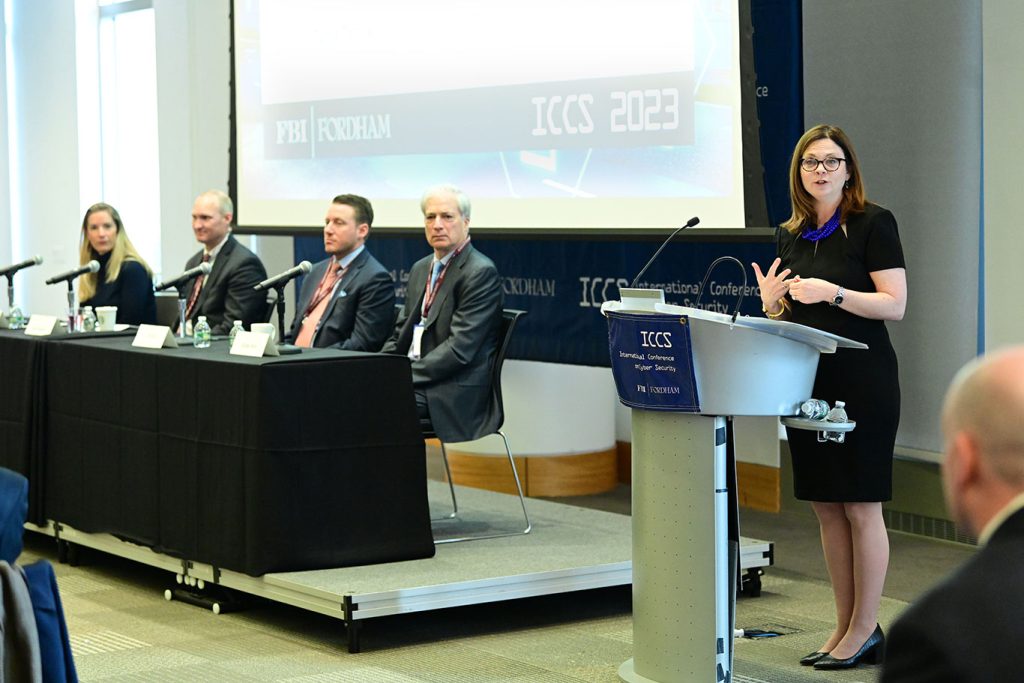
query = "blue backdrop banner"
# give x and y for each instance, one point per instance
(652, 361)
(778, 58)
(563, 282)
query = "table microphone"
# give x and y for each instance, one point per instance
(291, 273)
(201, 269)
(689, 224)
(11, 270)
(90, 267)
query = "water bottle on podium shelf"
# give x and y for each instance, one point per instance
(88, 319)
(837, 414)
(201, 334)
(814, 409)
(236, 327)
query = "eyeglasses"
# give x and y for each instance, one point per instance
(830, 164)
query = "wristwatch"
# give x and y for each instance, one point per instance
(838, 298)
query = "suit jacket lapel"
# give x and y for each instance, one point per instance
(219, 265)
(346, 281)
(451, 276)
(313, 278)
(414, 291)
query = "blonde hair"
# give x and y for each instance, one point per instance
(123, 251)
(804, 214)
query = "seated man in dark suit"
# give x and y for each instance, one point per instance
(348, 300)
(449, 324)
(226, 294)
(968, 628)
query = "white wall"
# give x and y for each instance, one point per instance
(193, 104)
(5, 256)
(5, 177)
(46, 159)
(193, 75)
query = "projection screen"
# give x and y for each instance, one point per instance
(565, 115)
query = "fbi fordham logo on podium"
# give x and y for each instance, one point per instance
(652, 361)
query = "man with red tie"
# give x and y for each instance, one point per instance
(226, 294)
(348, 300)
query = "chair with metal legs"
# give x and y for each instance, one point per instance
(509, 317)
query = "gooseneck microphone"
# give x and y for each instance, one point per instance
(201, 269)
(689, 224)
(90, 267)
(11, 270)
(290, 274)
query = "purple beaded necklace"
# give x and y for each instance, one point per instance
(824, 231)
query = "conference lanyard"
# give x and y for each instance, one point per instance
(431, 292)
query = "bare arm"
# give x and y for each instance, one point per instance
(888, 303)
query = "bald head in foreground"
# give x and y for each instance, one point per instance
(968, 628)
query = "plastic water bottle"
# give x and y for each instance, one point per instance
(837, 414)
(16, 319)
(201, 334)
(88, 319)
(236, 327)
(814, 409)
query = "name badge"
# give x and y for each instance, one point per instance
(417, 339)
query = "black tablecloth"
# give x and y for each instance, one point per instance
(23, 408)
(255, 465)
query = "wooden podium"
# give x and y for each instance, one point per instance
(685, 525)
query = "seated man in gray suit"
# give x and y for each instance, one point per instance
(226, 294)
(348, 300)
(449, 324)
(968, 627)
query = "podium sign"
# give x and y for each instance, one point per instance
(652, 361)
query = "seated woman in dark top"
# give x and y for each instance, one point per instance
(124, 279)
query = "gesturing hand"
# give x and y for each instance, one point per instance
(811, 290)
(773, 285)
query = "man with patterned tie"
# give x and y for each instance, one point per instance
(347, 300)
(226, 294)
(449, 324)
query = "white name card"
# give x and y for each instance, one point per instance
(41, 325)
(254, 345)
(154, 337)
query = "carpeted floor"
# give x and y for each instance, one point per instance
(122, 629)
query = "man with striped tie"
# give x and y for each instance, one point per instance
(348, 299)
(226, 294)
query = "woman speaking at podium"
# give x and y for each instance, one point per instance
(124, 280)
(840, 269)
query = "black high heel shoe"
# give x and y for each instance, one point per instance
(872, 652)
(810, 659)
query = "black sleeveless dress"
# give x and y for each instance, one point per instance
(859, 470)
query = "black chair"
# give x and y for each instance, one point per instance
(509, 317)
(167, 313)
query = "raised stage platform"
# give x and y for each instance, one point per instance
(570, 549)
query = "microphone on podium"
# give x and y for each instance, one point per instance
(11, 270)
(689, 224)
(201, 269)
(90, 267)
(291, 273)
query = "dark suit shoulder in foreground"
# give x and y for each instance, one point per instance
(969, 627)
